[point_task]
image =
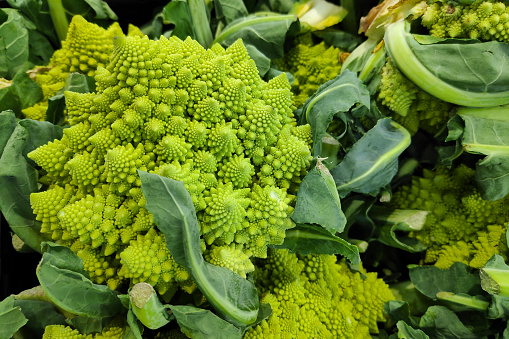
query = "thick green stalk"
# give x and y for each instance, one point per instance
(147, 307)
(59, 17)
(397, 37)
(464, 300)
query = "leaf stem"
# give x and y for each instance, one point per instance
(59, 17)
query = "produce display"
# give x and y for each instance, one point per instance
(255, 169)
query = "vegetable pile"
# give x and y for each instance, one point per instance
(277, 169)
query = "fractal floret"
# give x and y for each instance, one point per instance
(482, 19)
(86, 48)
(311, 64)
(408, 104)
(315, 297)
(461, 226)
(114, 330)
(173, 108)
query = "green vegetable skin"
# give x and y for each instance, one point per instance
(187, 173)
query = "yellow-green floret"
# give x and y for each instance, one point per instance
(311, 64)
(409, 105)
(114, 330)
(461, 226)
(314, 296)
(173, 108)
(483, 19)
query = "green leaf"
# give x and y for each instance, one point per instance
(310, 239)
(200, 323)
(135, 328)
(102, 9)
(39, 314)
(87, 325)
(75, 82)
(498, 308)
(66, 283)
(456, 71)
(15, 37)
(332, 99)
(11, 318)
(340, 39)
(18, 179)
(392, 235)
(22, 93)
(230, 10)
(458, 278)
(485, 131)
(317, 193)
(38, 12)
(440, 322)
(265, 31)
(399, 310)
(231, 295)
(260, 59)
(372, 162)
(406, 331)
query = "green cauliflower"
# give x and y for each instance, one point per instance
(314, 296)
(461, 226)
(203, 117)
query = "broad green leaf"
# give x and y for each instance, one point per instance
(191, 18)
(486, 132)
(15, 36)
(230, 10)
(39, 315)
(372, 162)
(317, 193)
(456, 71)
(406, 331)
(266, 31)
(399, 310)
(231, 295)
(334, 98)
(260, 59)
(23, 93)
(394, 235)
(7, 126)
(340, 39)
(66, 283)
(41, 49)
(135, 328)
(102, 9)
(11, 318)
(75, 82)
(38, 12)
(441, 322)
(17, 181)
(87, 325)
(458, 278)
(498, 308)
(202, 324)
(310, 239)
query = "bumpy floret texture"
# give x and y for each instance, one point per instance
(314, 296)
(203, 117)
(486, 20)
(461, 226)
(311, 64)
(87, 47)
(409, 105)
(114, 330)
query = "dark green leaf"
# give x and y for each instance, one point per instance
(230, 10)
(459, 278)
(399, 310)
(265, 31)
(177, 13)
(260, 59)
(498, 308)
(66, 283)
(440, 322)
(135, 328)
(87, 325)
(15, 37)
(340, 39)
(39, 314)
(390, 236)
(406, 331)
(232, 296)
(200, 323)
(372, 161)
(11, 318)
(309, 239)
(7, 126)
(333, 98)
(101, 9)
(41, 49)
(17, 181)
(317, 193)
